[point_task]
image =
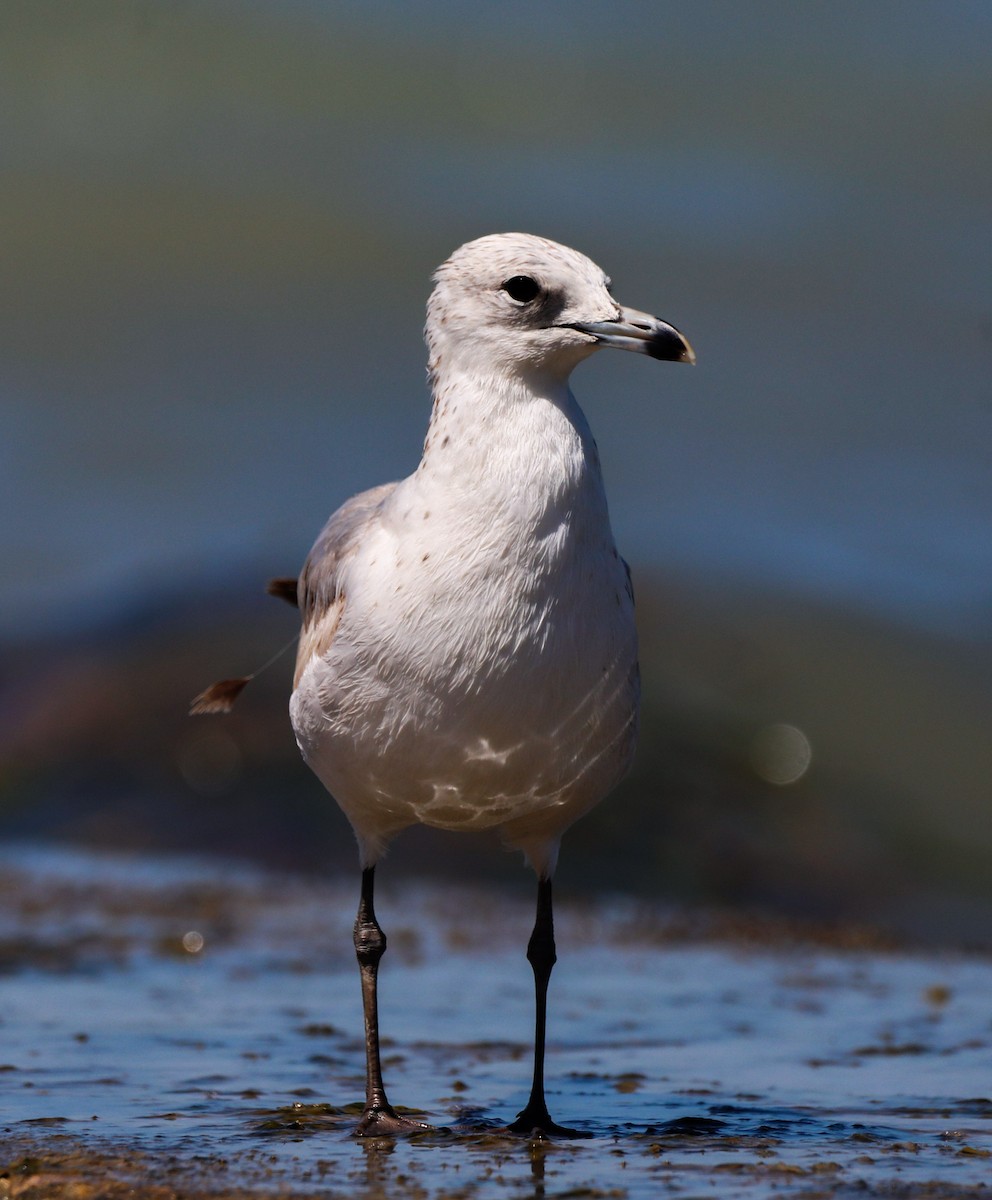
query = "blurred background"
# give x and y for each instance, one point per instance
(219, 222)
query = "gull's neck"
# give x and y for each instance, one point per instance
(507, 431)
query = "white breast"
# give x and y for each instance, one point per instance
(484, 667)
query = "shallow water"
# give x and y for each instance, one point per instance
(206, 1019)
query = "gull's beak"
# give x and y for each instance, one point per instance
(641, 333)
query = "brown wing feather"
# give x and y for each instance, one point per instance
(219, 697)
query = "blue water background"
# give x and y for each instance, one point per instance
(221, 220)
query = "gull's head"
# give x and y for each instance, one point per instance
(512, 303)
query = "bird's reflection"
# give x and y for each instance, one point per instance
(385, 1173)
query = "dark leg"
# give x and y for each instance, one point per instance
(379, 1119)
(535, 1119)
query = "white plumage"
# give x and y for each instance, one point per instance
(469, 656)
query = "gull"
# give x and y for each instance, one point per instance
(468, 653)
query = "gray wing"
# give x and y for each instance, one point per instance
(318, 586)
(630, 579)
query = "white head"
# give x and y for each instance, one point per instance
(518, 304)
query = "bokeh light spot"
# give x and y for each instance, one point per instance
(210, 762)
(193, 942)
(781, 754)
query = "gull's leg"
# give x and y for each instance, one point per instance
(379, 1118)
(534, 1119)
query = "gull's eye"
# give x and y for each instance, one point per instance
(522, 288)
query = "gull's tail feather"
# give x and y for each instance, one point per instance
(283, 589)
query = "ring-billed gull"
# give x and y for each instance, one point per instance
(468, 655)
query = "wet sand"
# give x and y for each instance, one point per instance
(174, 1027)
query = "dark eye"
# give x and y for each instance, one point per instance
(522, 288)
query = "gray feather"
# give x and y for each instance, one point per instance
(319, 580)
